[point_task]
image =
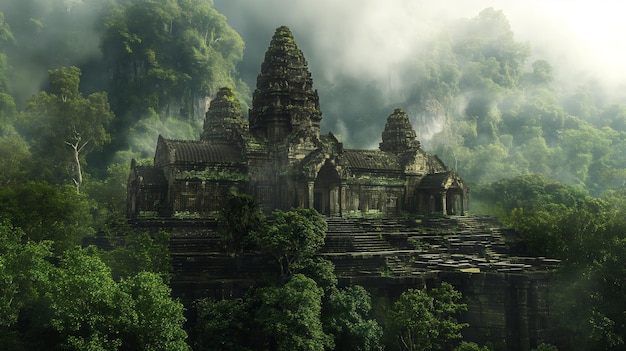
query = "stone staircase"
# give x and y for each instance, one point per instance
(345, 235)
(364, 247)
(392, 247)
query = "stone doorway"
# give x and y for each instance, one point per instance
(326, 197)
(455, 202)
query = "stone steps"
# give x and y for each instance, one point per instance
(398, 264)
(359, 247)
(355, 264)
(193, 244)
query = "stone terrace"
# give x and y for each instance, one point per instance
(398, 247)
(505, 290)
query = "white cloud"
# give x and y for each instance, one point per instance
(367, 37)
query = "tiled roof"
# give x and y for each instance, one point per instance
(204, 152)
(372, 160)
(435, 180)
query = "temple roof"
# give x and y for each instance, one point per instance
(284, 100)
(201, 151)
(224, 120)
(373, 160)
(398, 135)
(442, 180)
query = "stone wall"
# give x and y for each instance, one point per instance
(506, 293)
(507, 311)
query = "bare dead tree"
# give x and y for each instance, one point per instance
(77, 147)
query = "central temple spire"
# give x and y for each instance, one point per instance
(284, 102)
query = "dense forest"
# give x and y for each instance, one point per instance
(87, 85)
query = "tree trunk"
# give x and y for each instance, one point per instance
(77, 148)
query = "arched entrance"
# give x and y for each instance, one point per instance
(455, 202)
(326, 193)
(442, 193)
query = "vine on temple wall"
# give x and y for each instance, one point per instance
(213, 174)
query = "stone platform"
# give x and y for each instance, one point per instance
(505, 289)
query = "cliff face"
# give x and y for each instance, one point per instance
(506, 292)
(508, 311)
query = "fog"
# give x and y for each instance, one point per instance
(372, 42)
(359, 51)
(50, 24)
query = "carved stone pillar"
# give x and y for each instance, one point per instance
(311, 185)
(444, 205)
(342, 198)
(462, 203)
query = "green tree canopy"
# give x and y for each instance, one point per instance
(24, 269)
(239, 218)
(62, 126)
(292, 237)
(345, 317)
(76, 305)
(138, 251)
(421, 320)
(222, 325)
(289, 316)
(48, 212)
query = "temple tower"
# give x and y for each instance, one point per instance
(224, 120)
(284, 103)
(398, 136)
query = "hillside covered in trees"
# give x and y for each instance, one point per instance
(87, 85)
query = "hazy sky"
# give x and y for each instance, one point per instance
(371, 41)
(363, 36)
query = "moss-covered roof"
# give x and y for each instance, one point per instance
(437, 180)
(398, 135)
(224, 119)
(372, 160)
(202, 152)
(284, 95)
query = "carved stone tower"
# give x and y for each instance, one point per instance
(284, 103)
(398, 135)
(224, 120)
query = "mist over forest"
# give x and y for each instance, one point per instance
(497, 89)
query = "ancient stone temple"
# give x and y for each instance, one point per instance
(279, 156)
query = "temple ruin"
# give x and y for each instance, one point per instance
(279, 157)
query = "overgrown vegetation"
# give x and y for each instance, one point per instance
(301, 307)
(588, 234)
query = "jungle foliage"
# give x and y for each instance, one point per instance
(588, 235)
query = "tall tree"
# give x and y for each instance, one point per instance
(421, 320)
(240, 217)
(293, 237)
(63, 126)
(289, 316)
